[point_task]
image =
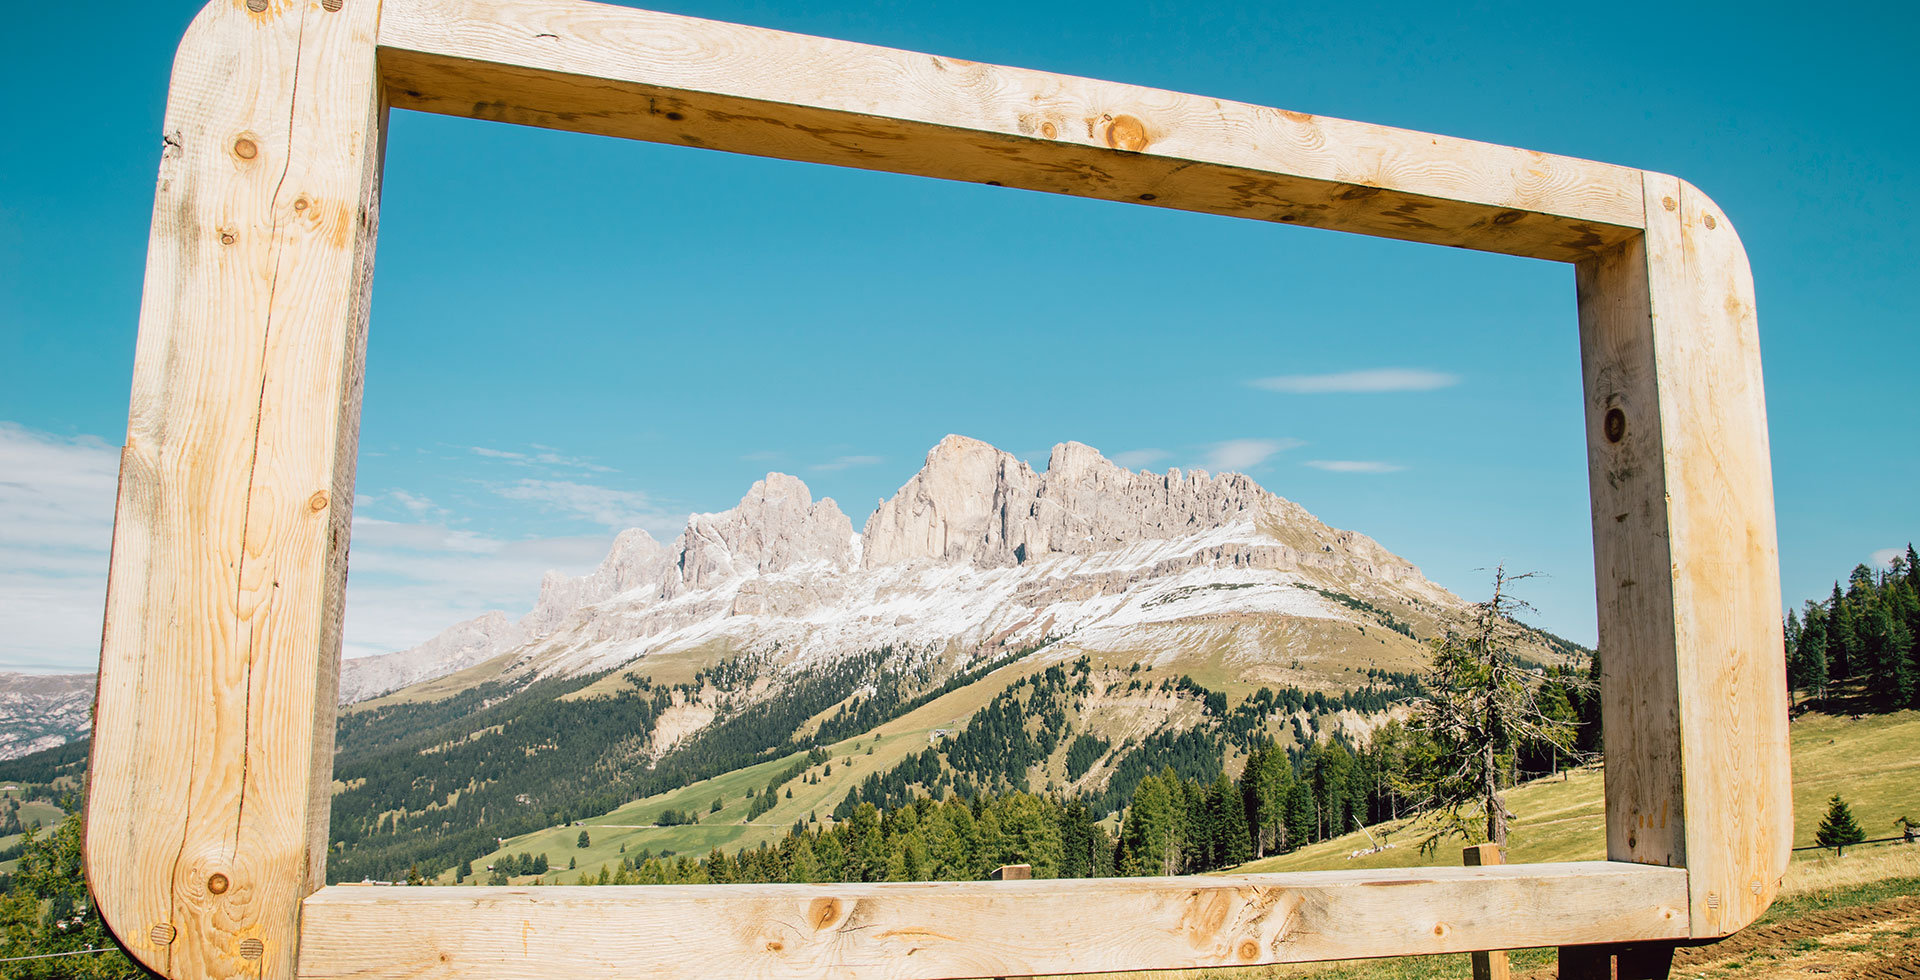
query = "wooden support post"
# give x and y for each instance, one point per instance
(1693, 690)
(1625, 961)
(1489, 964)
(208, 790)
(1643, 961)
(1011, 872)
(1586, 963)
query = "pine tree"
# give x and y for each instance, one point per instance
(1264, 786)
(1901, 663)
(583, 840)
(1790, 633)
(47, 909)
(1839, 829)
(1842, 640)
(1813, 651)
(1481, 706)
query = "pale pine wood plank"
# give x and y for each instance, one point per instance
(972, 929)
(1640, 679)
(207, 795)
(587, 67)
(1733, 694)
(1694, 693)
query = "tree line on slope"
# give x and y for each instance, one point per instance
(432, 786)
(1173, 824)
(1865, 633)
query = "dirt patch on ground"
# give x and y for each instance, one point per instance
(1880, 941)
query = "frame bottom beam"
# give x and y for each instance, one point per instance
(929, 930)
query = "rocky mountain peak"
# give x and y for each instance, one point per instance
(635, 559)
(973, 502)
(960, 506)
(776, 526)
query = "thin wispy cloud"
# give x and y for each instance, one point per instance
(413, 504)
(1354, 466)
(609, 507)
(56, 531)
(539, 455)
(1239, 455)
(844, 462)
(1371, 381)
(1134, 459)
(412, 580)
(1879, 560)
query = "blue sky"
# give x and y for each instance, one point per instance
(572, 335)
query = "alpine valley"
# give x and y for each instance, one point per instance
(990, 629)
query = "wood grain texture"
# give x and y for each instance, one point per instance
(593, 68)
(1727, 621)
(207, 787)
(1694, 688)
(974, 929)
(1640, 675)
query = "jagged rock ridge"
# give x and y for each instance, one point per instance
(975, 551)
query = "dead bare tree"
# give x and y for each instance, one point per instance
(1481, 706)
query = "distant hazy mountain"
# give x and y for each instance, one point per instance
(40, 711)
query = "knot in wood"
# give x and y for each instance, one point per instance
(1615, 426)
(1126, 133)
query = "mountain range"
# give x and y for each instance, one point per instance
(975, 553)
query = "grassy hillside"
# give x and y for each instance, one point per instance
(1869, 760)
(633, 826)
(47, 814)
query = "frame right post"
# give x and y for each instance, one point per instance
(1693, 683)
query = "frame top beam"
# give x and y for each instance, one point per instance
(664, 78)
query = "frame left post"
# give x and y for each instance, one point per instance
(211, 773)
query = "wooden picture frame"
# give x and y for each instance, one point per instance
(211, 769)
